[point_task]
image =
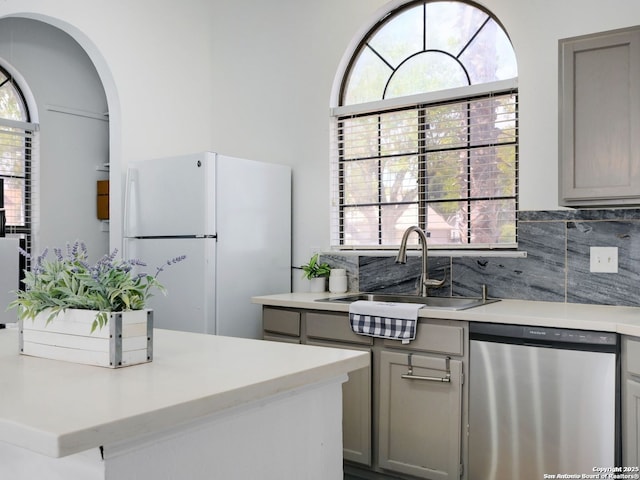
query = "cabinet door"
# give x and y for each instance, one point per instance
(630, 364)
(356, 410)
(631, 424)
(420, 420)
(599, 102)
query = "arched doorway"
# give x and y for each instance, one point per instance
(68, 97)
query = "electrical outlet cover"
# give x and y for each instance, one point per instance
(604, 259)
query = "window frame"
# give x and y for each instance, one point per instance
(26, 131)
(421, 100)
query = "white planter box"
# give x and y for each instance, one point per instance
(126, 339)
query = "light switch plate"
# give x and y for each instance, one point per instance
(604, 259)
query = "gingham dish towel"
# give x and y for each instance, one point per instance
(396, 321)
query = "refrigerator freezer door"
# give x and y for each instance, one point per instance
(190, 300)
(171, 197)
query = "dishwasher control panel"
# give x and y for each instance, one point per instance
(571, 336)
(548, 334)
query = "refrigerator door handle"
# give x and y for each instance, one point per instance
(127, 249)
(130, 196)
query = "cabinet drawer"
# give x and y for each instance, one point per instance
(285, 322)
(280, 338)
(632, 352)
(333, 327)
(434, 338)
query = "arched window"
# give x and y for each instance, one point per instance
(426, 131)
(16, 154)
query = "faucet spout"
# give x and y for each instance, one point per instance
(401, 257)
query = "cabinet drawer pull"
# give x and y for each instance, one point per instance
(445, 379)
(410, 376)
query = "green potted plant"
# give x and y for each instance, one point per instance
(316, 272)
(67, 301)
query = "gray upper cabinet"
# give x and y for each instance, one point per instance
(599, 108)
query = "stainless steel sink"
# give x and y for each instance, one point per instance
(444, 303)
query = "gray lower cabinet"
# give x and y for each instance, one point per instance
(280, 325)
(403, 416)
(420, 415)
(630, 401)
(356, 409)
(332, 330)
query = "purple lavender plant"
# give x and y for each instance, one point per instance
(69, 281)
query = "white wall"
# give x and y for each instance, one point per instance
(254, 78)
(154, 60)
(67, 99)
(279, 60)
(535, 28)
(283, 78)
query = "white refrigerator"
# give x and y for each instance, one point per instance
(231, 218)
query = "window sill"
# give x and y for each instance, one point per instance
(433, 253)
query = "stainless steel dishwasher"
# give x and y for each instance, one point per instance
(542, 401)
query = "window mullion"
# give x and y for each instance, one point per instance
(423, 173)
(468, 165)
(380, 186)
(341, 182)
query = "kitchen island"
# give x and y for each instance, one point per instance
(206, 407)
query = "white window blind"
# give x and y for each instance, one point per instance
(448, 166)
(18, 147)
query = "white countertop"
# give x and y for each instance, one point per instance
(623, 320)
(59, 408)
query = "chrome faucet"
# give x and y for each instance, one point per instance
(425, 281)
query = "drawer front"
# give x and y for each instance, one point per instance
(632, 353)
(285, 322)
(434, 338)
(280, 338)
(333, 327)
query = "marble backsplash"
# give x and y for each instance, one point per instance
(556, 266)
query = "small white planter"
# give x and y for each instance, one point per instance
(317, 284)
(126, 339)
